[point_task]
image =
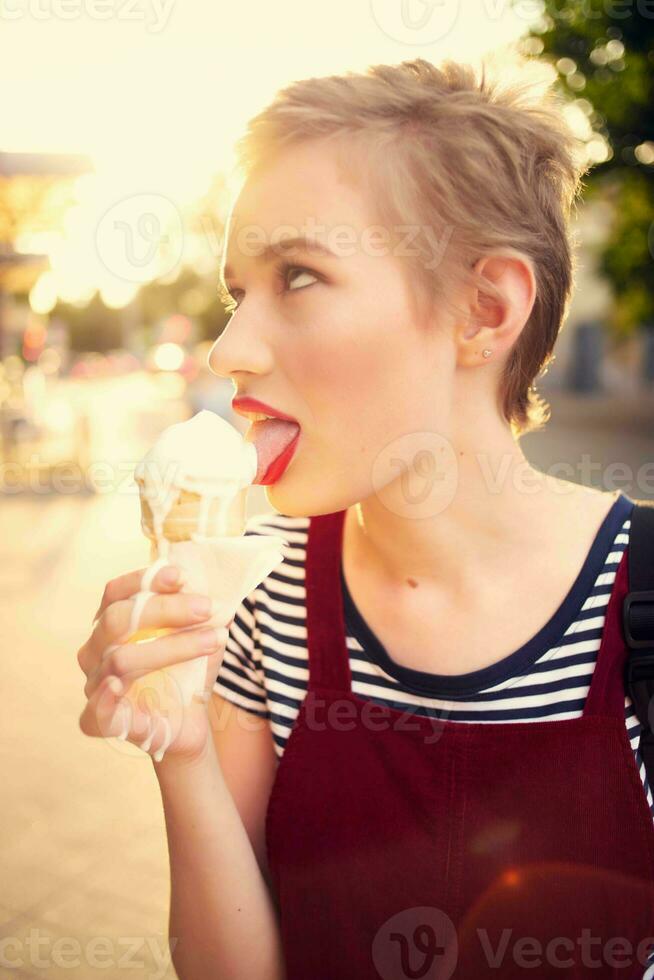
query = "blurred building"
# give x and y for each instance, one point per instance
(36, 189)
(587, 357)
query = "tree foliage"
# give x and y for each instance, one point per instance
(604, 53)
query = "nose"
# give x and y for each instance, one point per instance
(238, 351)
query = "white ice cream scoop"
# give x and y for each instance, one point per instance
(195, 480)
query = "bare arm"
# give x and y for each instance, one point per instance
(223, 920)
(215, 777)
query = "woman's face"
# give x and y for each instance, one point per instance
(331, 340)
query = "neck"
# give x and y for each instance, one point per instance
(442, 530)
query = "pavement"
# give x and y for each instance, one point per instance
(600, 440)
(82, 839)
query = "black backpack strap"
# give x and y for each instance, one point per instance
(638, 624)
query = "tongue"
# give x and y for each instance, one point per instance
(271, 438)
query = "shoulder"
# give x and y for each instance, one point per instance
(585, 515)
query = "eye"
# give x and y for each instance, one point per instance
(285, 269)
(230, 298)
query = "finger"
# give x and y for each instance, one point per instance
(214, 663)
(134, 660)
(99, 717)
(138, 726)
(92, 653)
(169, 578)
(159, 738)
(108, 713)
(157, 611)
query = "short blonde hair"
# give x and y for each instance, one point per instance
(485, 163)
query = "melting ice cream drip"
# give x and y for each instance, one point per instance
(141, 598)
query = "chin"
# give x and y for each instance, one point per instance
(293, 500)
(299, 499)
(290, 504)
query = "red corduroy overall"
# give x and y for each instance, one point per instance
(402, 846)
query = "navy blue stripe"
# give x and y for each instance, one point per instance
(288, 600)
(227, 683)
(498, 714)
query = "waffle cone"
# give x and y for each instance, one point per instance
(183, 518)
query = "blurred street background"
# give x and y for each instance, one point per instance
(111, 233)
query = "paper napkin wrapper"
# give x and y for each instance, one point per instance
(227, 569)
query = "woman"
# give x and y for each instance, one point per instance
(418, 758)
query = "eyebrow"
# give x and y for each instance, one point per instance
(269, 252)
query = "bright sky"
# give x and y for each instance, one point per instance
(157, 91)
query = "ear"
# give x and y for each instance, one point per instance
(493, 322)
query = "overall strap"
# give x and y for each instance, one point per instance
(638, 624)
(329, 662)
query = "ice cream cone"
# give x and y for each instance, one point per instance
(193, 491)
(209, 516)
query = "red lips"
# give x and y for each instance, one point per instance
(244, 403)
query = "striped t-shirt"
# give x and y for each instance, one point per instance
(265, 667)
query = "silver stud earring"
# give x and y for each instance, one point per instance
(487, 352)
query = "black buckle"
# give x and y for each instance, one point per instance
(639, 681)
(630, 599)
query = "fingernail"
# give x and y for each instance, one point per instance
(115, 685)
(201, 607)
(170, 575)
(212, 639)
